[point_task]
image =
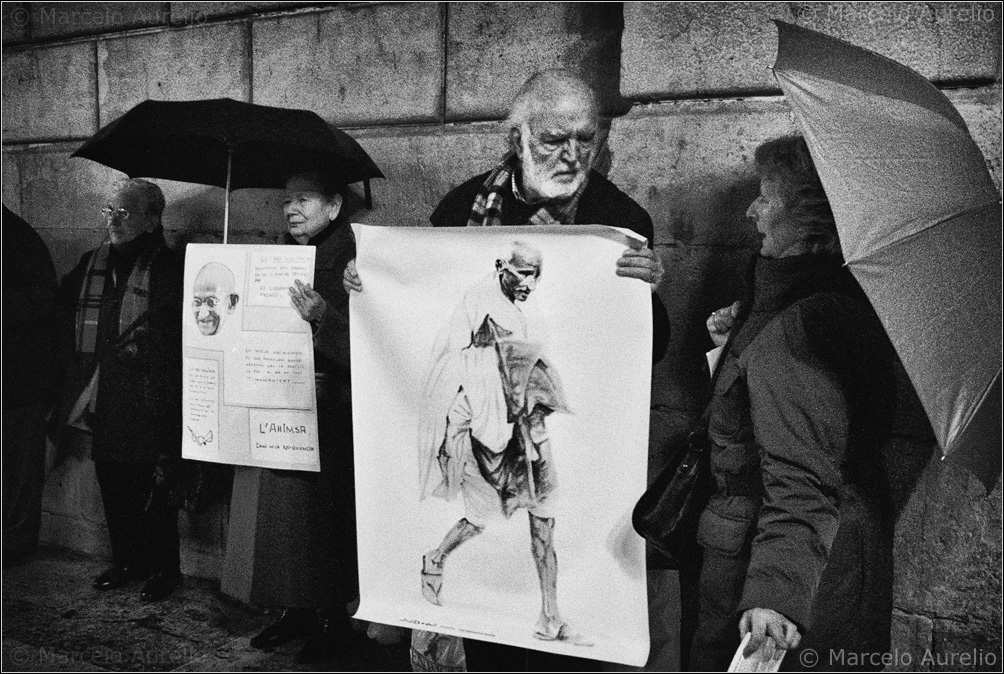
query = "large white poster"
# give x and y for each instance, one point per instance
(500, 385)
(248, 396)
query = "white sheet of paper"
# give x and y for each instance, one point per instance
(767, 658)
(713, 357)
(600, 344)
(248, 380)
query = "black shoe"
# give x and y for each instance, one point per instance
(117, 576)
(160, 586)
(332, 637)
(293, 623)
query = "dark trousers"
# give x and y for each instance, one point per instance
(485, 656)
(717, 635)
(23, 479)
(142, 522)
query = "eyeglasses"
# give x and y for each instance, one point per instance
(210, 302)
(108, 212)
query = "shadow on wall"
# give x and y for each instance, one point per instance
(913, 445)
(722, 279)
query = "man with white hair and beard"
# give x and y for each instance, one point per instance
(546, 177)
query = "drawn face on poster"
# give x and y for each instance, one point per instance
(518, 275)
(213, 298)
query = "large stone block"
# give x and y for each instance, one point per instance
(494, 47)
(203, 539)
(673, 50)
(73, 515)
(689, 164)
(180, 65)
(982, 112)
(49, 93)
(354, 65)
(911, 640)
(50, 20)
(196, 213)
(945, 42)
(62, 197)
(698, 280)
(197, 12)
(966, 646)
(948, 547)
(422, 165)
(16, 19)
(67, 245)
(11, 182)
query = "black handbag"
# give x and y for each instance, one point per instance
(668, 512)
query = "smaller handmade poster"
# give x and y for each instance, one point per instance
(248, 396)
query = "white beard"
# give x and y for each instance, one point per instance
(538, 181)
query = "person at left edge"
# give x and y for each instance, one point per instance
(122, 301)
(32, 375)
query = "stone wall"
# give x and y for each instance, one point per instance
(422, 86)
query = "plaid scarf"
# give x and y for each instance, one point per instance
(487, 209)
(135, 300)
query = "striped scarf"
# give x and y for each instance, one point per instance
(487, 209)
(135, 300)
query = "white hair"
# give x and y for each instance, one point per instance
(543, 91)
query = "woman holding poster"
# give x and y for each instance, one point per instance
(305, 552)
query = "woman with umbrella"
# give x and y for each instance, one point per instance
(305, 552)
(798, 532)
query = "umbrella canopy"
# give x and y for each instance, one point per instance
(918, 217)
(226, 143)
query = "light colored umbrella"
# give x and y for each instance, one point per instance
(919, 220)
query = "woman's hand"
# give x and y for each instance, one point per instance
(720, 322)
(350, 279)
(764, 622)
(308, 302)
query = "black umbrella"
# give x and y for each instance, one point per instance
(229, 144)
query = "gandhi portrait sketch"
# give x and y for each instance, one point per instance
(213, 297)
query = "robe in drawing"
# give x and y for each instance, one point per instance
(492, 352)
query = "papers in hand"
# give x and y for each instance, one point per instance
(713, 357)
(767, 658)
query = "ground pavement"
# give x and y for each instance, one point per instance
(54, 621)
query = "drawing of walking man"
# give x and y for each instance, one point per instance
(490, 390)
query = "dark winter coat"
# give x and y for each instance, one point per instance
(800, 520)
(304, 544)
(32, 362)
(138, 413)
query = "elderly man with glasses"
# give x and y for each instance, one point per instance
(123, 301)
